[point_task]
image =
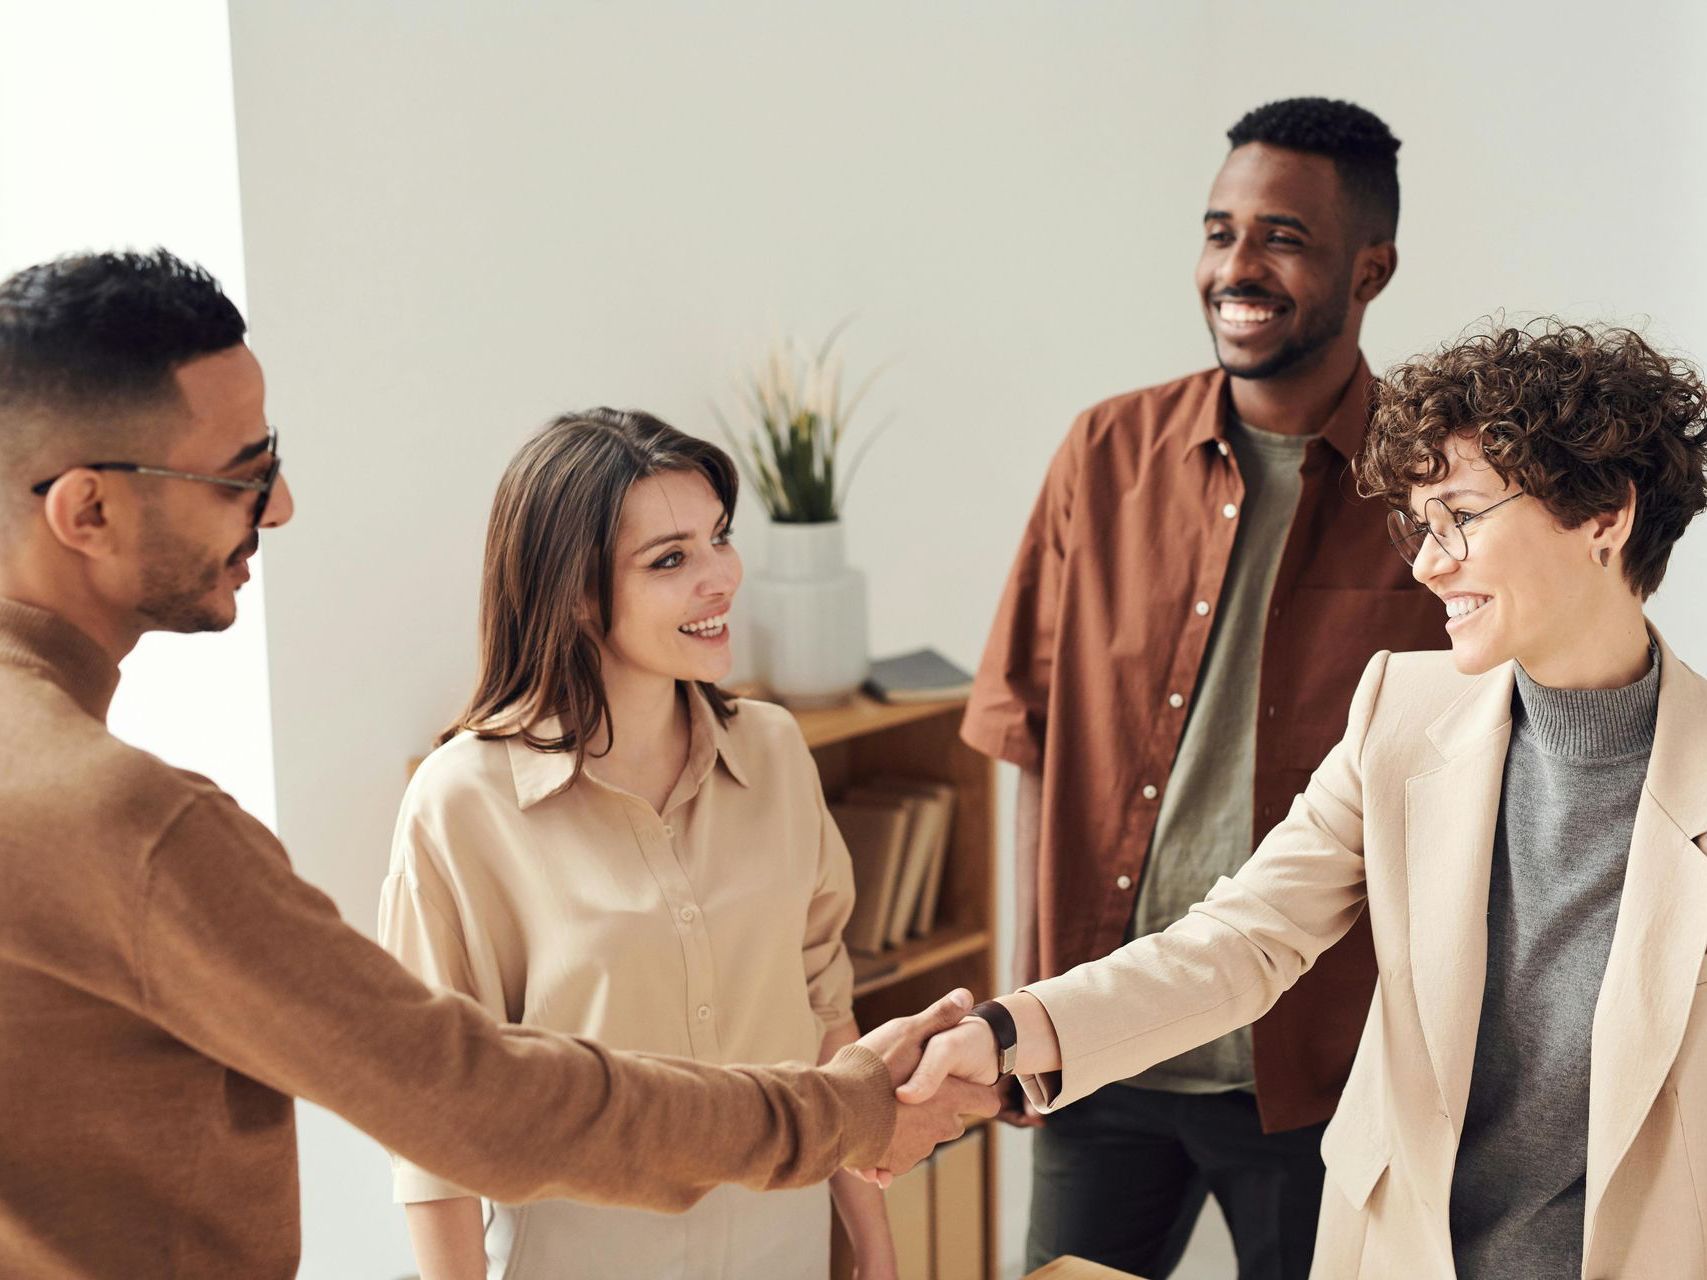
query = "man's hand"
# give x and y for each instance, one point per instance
(901, 1042)
(922, 1127)
(1016, 1107)
(922, 1124)
(967, 1051)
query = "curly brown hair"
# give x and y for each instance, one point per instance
(1574, 415)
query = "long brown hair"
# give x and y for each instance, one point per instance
(550, 553)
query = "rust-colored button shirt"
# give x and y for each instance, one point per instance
(1094, 657)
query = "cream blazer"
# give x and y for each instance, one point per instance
(1399, 819)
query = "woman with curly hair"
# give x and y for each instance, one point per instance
(1525, 820)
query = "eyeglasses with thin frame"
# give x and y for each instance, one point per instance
(262, 487)
(1440, 522)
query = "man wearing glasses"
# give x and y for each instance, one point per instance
(183, 583)
(167, 985)
(1179, 639)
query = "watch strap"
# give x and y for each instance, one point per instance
(1001, 1024)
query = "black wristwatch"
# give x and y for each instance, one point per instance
(1001, 1023)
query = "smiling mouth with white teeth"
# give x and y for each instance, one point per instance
(1460, 607)
(706, 628)
(1236, 314)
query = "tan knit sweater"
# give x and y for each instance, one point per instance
(167, 986)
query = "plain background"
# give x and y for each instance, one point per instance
(459, 218)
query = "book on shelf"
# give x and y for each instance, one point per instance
(876, 836)
(923, 675)
(921, 818)
(930, 810)
(934, 829)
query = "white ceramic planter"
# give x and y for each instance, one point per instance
(807, 612)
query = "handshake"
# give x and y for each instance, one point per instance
(944, 1071)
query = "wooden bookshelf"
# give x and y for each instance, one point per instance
(917, 956)
(922, 740)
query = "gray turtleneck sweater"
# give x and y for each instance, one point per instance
(1573, 776)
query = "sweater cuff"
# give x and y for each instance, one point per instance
(860, 1080)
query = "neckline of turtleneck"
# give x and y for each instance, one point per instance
(1589, 724)
(32, 637)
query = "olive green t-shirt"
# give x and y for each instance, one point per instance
(1203, 828)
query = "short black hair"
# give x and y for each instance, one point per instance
(1364, 151)
(106, 331)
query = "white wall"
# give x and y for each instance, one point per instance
(463, 217)
(116, 131)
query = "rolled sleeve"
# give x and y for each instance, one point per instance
(1006, 715)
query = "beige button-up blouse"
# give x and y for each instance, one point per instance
(712, 931)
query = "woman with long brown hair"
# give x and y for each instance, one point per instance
(607, 844)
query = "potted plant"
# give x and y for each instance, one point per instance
(808, 607)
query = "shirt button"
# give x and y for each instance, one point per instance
(1123, 882)
(1221, 448)
(688, 914)
(1175, 700)
(1271, 713)
(1202, 608)
(1149, 791)
(704, 1012)
(1229, 511)
(670, 832)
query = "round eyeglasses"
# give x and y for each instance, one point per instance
(262, 487)
(1439, 522)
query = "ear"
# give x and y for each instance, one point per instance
(1610, 530)
(1372, 269)
(77, 512)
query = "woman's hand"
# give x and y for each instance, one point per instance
(966, 1051)
(874, 1256)
(863, 1213)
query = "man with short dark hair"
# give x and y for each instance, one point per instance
(167, 985)
(1195, 595)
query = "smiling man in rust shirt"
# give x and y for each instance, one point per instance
(167, 985)
(1195, 596)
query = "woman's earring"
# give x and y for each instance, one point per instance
(1606, 557)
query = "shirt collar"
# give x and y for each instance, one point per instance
(1344, 429)
(538, 775)
(32, 637)
(724, 741)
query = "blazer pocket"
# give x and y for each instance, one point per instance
(1355, 1160)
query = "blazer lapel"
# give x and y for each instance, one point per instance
(1661, 935)
(1450, 816)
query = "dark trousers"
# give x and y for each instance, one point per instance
(1120, 1177)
